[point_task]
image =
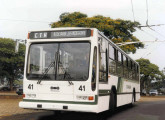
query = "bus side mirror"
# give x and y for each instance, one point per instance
(100, 40)
(99, 43)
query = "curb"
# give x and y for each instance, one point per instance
(10, 96)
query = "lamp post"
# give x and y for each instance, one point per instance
(13, 64)
(17, 44)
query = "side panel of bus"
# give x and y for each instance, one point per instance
(115, 77)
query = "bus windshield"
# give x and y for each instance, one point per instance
(59, 61)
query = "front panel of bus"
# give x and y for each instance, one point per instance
(61, 73)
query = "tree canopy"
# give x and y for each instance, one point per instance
(117, 30)
(148, 72)
(11, 63)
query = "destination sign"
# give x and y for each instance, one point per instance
(40, 35)
(60, 34)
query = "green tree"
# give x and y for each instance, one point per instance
(148, 72)
(117, 30)
(11, 63)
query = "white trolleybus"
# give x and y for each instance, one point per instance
(77, 69)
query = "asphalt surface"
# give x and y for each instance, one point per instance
(150, 110)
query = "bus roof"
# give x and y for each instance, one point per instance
(54, 34)
(62, 28)
(75, 32)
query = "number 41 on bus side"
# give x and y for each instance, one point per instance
(82, 88)
(30, 86)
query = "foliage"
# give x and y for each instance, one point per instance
(117, 30)
(18, 82)
(149, 72)
(11, 63)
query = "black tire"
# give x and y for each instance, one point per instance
(112, 104)
(134, 96)
(133, 99)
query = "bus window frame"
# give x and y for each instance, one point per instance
(107, 60)
(93, 83)
(43, 42)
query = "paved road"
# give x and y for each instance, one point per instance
(9, 107)
(150, 110)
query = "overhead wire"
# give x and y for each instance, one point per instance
(147, 11)
(26, 20)
(147, 53)
(151, 51)
(149, 26)
(3, 19)
(133, 10)
(148, 33)
(156, 32)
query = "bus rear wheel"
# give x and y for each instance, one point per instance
(133, 98)
(112, 103)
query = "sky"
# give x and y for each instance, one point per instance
(17, 17)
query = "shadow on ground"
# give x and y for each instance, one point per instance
(86, 116)
(49, 115)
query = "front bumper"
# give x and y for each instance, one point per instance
(59, 106)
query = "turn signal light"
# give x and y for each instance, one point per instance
(91, 32)
(23, 95)
(90, 98)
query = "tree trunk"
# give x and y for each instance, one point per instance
(11, 83)
(143, 84)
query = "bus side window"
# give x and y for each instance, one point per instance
(137, 70)
(130, 68)
(125, 61)
(134, 71)
(35, 60)
(94, 69)
(112, 63)
(119, 63)
(103, 57)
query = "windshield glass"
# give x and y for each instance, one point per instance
(59, 61)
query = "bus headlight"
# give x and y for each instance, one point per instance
(31, 95)
(85, 97)
(82, 97)
(90, 98)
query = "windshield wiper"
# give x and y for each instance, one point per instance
(66, 74)
(68, 77)
(46, 71)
